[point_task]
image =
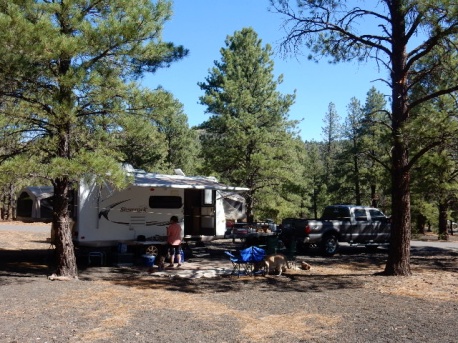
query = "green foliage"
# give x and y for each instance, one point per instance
(315, 171)
(74, 106)
(248, 138)
(331, 136)
(399, 35)
(74, 92)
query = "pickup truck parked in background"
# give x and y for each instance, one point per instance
(356, 225)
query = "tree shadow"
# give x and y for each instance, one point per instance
(25, 263)
(18, 266)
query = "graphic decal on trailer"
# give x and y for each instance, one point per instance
(105, 212)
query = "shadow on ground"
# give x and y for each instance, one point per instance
(23, 265)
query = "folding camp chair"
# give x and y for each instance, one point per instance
(238, 265)
(248, 262)
(254, 256)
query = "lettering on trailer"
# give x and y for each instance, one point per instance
(134, 209)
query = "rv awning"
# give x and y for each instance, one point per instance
(182, 182)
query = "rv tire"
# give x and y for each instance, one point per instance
(152, 250)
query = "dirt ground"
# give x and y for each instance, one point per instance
(338, 299)
(434, 275)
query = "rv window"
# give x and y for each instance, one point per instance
(208, 197)
(165, 202)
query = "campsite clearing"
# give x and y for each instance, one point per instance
(339, 299)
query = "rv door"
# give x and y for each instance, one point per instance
(199, 212)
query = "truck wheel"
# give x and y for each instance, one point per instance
(329, 245)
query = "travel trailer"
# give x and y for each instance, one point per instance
(104, 216)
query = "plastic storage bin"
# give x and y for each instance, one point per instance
(148, 260)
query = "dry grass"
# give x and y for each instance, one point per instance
(19, 240)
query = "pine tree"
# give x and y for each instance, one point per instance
(331, 148)
(76, 89)
(376, 148)
(349, 161)
(247, 138)
(397, 34)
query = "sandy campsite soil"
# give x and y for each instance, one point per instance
(339, 298)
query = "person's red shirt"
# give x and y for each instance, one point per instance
(174, 234)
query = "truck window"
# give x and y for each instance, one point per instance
(360, 214)
(376, 215)
(336, 213)
(165, 202)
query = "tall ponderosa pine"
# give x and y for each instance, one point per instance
(75, 86)
(247, 139)
(436, 125)
(315, 170)
(376, 147)
(349, 161)
(331, 131)
(397, 34)
(294, 197)
(182, 143)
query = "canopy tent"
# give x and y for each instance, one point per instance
(35, 203)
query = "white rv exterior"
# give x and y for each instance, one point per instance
(105, 217)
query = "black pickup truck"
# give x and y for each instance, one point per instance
(356, 225)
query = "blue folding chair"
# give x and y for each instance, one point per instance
(248, 262)
(238, 266)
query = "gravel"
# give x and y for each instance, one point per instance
(338, 300)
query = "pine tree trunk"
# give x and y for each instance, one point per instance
(443, 232)
(356, 178)
(66, 260)
(12, 206)
(3, 209)
(398, 262)
(421, 224)
(374, 201)
(249, 209)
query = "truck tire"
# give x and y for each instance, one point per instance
(329, 245)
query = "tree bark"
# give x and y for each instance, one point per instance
(12, 205)
(398, 262)
(421, 224)
(374, 197)
(356, 177)
(66, 260)
(443, 232)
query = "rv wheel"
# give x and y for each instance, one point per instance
(152, 250)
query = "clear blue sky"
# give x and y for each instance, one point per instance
(202, 27)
